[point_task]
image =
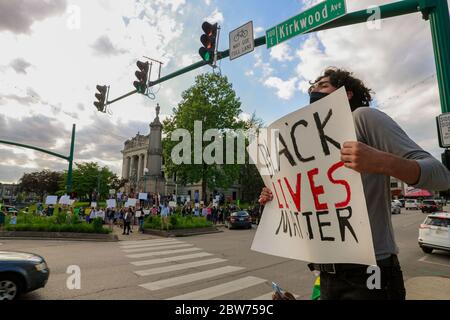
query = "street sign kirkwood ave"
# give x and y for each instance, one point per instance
(308, 20)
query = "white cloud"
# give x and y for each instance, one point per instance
(65, 69)
(215, 16)
(258, 31)
(389, 67)
(244, 116)
(265, 67)
(207, 2)
(282, 52)
(285, 89)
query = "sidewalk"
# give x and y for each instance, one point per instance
(428, 288)
(135, 236)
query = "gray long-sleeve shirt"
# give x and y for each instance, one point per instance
(379, 131)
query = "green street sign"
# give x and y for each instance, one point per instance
(308, 20)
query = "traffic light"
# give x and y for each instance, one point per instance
(101, 97)
(208, 39)
(142, 76)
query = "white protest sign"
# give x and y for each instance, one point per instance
(93, 204)
(72, 202)
(112, 191)
(111, 203)
(143, 196)
(131, 202)
(65, 199)
(51, 200)
(172, 204)
(318, 213)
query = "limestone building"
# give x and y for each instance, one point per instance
(143, 166)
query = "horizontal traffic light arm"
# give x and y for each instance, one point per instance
(386, 11)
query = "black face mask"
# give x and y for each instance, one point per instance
(315, 96)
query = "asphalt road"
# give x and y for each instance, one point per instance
(214, 266)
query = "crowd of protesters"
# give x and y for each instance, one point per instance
(128, 218)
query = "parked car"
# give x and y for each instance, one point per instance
(402, 201)
(395, 208)
(239, 219)
(411, 204)
(10, 209)
(430, 206)
(20, 273)
(434, 232)
(397, 202)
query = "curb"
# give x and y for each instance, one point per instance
(70, 236)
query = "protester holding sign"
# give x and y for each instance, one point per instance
(382, 149)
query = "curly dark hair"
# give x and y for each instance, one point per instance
(340, 77)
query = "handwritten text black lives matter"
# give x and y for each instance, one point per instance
(293, 218)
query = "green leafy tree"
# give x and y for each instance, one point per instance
(212, 101)
(41, 182)
(89, 177)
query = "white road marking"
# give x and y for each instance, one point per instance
(145, 241)
(176, 267)
(170, 259)
(174, 281)
(221, 289)
(143, 245)
(183, 245)
(160, 253)
(424, 259)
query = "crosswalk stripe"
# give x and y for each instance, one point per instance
(171, 259)
(146, 241)
(142, 245)
(174, 281)
(221, 289)
(268, 296)
(159, 248)
(177, 267)
(160, 253)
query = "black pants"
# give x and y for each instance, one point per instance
(351, 284)
(126, 227)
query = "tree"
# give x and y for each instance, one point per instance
(212, 101)
(89, 177)
(41, 182)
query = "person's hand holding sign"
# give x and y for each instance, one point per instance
(365, 159)
(266, 196)
(362, 158)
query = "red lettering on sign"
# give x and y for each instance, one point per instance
(276, 193)
(332, 169)
(316, 190)
(295, 195)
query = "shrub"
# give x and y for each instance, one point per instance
(178, 222)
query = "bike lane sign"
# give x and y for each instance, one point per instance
(241, 40)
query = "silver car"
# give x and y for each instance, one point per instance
(20, 273)
(395, 209)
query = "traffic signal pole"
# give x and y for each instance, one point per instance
(434, 10)
(68, 158)
(440, 33)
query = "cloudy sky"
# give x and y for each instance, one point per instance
(54, 52)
